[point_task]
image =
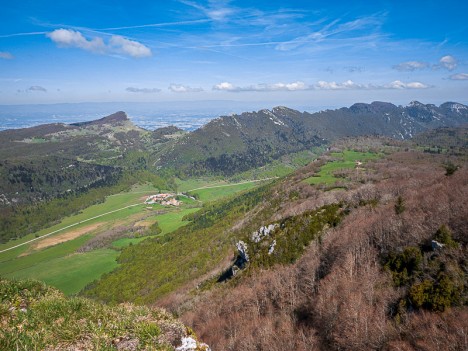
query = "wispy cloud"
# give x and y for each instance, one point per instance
(411, 66)
(215, 10)
(25, 34)
(162, 24)
(6, 55)
(116, 44)
(337, 30)
(459, 76)
(37, 88)
(179, 88)
(295, 86)
(143, 90)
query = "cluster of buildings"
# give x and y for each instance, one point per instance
(162, 199)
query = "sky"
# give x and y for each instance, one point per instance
(314, 53)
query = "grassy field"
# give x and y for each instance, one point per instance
(112, 203)
(221, 191)
(188, 184)
(72, 272)
(345, 160)
(61, 266)
(282, 167)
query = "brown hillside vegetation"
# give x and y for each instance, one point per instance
(348, 291)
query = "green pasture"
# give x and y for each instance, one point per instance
(194, 183)
(221, 191)
(282, 167)
(70, 273)
(171, 221)
(112, 203)
(344, 160)
(61, 266)
(123, 242)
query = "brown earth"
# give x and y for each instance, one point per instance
(61, 238)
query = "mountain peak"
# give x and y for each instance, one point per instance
(415, 103)
(454, 107)
(114, 119)
(119, 116)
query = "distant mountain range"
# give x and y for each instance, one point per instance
(50, 160)
(235, 143)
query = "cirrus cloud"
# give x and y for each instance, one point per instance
(116, 45)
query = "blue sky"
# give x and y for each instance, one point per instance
(324, 53)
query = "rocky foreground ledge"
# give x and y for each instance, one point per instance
(34, 316)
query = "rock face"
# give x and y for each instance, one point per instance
(272, 247)
(263, 232)
(190, 344)
(242, 249)
(436, 245)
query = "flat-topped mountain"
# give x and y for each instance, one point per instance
(114, 119)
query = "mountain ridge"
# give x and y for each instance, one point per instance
(229, 144)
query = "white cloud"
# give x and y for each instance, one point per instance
(142, 90)
(294, 86)
(398, 84)
(448, 62)
(117, 44)
(179, 88)
(349, 84)
(459, 76)
(225, 86)
(37, 88)
(320, 85)
(287, 86)
(411, 66)
(6, 55)
(70, 38)
(129, 47)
